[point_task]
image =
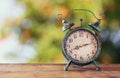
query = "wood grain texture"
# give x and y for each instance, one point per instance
(56, 71)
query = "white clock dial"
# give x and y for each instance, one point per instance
(81, 45)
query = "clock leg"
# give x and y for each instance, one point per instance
(97, 67)
(68, 64)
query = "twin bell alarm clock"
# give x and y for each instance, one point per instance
(81, 45)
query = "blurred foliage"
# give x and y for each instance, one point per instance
(46, 29)
(40, 27)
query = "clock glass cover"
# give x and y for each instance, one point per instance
(81, 45)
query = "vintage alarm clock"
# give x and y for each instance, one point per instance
(81, 46)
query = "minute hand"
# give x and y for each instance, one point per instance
(84, 45)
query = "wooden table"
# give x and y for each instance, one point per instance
(56, 71)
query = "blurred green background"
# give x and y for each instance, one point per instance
(31, 33)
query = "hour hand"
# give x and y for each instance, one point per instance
(76, 48)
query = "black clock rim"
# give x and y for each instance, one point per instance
(75, 61)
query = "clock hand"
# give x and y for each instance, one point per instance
(85, 44)
(77, 47)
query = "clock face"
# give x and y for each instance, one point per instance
(81, 45)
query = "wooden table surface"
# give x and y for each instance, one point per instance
(56, 71)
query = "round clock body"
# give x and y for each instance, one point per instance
(81, 46)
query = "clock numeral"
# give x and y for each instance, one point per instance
(81, 58)
(93, 52)
(80, 34)
(88, 56)
(70, 52)
(86, 36)
(70, 40)
(92, 39)
(75, 36)
(68, 46)
(95, 46)
(75, 56)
